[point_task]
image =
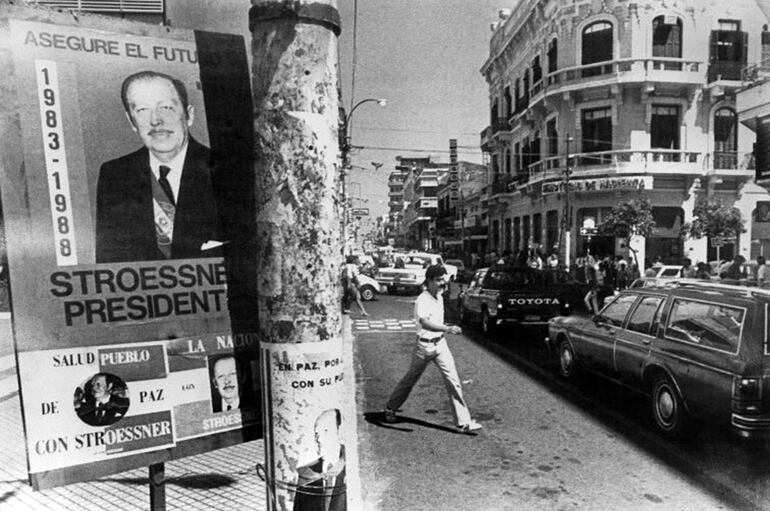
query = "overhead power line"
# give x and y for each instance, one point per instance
(407, 130)
(460, 149)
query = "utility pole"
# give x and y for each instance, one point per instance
(305, 373)
(567, 222)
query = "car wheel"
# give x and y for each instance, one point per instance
(567, 364)
(487, 324)
(391, 290)
(367, 293)
(667, 407)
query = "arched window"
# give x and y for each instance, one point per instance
(597, 47)
(667, 41)
(725, 138)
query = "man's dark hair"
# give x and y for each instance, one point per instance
(181, 90)
(238, 369)
(434, 271)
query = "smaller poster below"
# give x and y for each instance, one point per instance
(304, 415)
(126, 399)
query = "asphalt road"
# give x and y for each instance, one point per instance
(546, 444)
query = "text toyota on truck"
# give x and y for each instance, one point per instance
(509, 294)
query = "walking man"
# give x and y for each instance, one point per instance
(432, 347)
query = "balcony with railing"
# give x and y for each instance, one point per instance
(488, 134)
(644, 161)
(506, 183)
(726, 70)
(652, 70)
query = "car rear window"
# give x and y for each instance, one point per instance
(712, 325)
(505, 280)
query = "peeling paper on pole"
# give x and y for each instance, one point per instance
(305, 425)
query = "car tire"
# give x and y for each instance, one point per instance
(487, 324)
(391, 290)
(667, 407)
(567, 364)
(367, 293)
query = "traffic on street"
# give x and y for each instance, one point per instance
(547, 442)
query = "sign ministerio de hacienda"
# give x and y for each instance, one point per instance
(600, 184)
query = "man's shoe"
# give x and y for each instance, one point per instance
(389, 415)
(471, 427)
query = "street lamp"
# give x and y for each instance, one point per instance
(345, 154)
(348, 128)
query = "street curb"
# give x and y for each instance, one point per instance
(351, 410)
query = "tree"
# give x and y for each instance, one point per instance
(628, 219)
(715, 220)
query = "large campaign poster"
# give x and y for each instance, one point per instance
(122, 190)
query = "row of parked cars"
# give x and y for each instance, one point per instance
(698, 349)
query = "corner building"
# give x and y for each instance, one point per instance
(593, 103)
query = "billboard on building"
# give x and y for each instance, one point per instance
(124, 165)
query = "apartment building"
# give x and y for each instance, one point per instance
(595, 103)
(461, 226)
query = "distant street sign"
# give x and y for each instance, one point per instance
(720, 242)
(360, 212)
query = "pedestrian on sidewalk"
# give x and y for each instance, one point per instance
(432, 347)
(350, 286)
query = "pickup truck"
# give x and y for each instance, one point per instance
(411, 276)
(508, 294)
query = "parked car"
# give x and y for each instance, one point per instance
(410, 274)
(368, 287)
(697, 348)
(510, 294)
(668, 270)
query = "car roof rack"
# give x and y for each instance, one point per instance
(696, 283)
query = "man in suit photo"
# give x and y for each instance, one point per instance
(321, 483)
(100, 405)
(158, 202)
(230, 385)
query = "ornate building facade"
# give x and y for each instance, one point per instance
(593, 103)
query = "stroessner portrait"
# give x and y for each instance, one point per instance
(160, 201)
(231, 387)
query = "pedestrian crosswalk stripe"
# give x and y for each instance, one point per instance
(390, 324)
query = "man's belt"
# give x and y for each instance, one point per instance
(432, 341)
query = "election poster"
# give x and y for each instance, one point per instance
(308, 424)
(125, 174)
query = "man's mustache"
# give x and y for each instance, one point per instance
(156, 132)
